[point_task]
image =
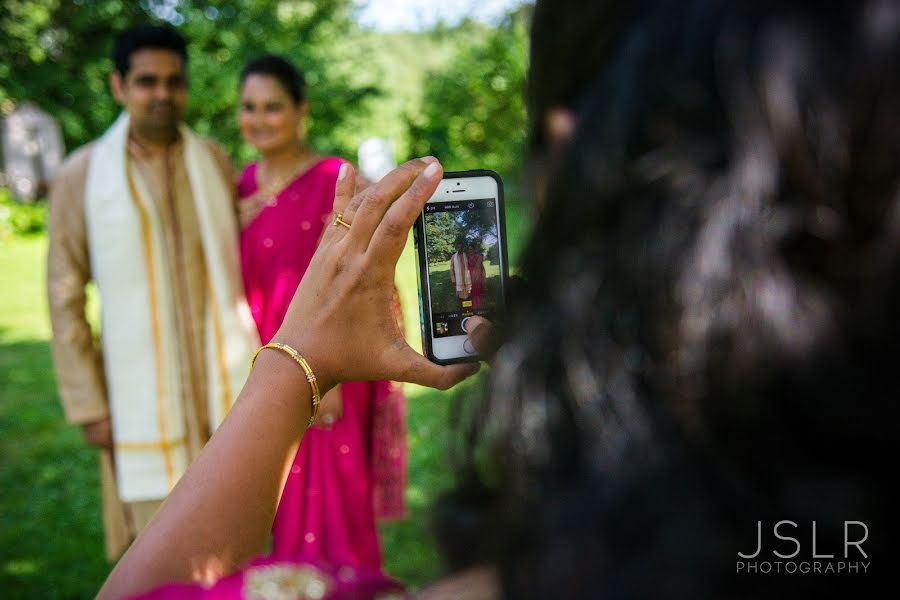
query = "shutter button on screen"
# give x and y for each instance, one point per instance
(467, 346)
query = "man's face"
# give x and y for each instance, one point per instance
(154, 92)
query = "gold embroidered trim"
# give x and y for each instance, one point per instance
(286, 582)
(220, 350)
(165, 442)
(138, 446)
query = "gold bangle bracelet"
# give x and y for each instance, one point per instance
(310, 376)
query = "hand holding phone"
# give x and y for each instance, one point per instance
(461, 242)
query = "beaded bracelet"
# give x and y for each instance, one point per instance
(310, 376)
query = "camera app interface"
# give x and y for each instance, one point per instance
(463, 253)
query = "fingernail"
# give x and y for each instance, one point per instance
(343, 171)
(429, 159)
(431, 169)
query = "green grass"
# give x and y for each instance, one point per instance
(51, 539)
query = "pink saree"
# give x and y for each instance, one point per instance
(287, 578)
(347, 475)
(477, 272)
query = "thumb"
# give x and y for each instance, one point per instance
(422, 371)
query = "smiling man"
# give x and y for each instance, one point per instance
(147, 213)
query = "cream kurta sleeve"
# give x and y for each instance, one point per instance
(76, 355)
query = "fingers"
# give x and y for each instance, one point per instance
(366, 210)
(422, 371)
(344, 188)
(391, 234)
(331, 408)
(481, 333)
(99, 433)
(362, 182)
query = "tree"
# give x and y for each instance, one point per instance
(479, 226)
(474, 115)
(56, 54)
(441, 231)
(493, 254)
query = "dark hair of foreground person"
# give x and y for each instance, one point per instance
(707, 335)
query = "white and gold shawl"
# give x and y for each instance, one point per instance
(459, 274)
(138, 329)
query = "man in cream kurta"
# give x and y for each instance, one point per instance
(146, 212)
(459, 273)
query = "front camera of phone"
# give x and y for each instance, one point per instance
(457, 183)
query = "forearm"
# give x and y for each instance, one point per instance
(236, 483)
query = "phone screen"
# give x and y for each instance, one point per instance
(464, 260)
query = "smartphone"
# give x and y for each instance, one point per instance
(461, 251)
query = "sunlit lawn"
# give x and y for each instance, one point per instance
(51, 543)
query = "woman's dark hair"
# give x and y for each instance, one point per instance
(706, 334)
(136, 38)
(289, 76)
(566, 53)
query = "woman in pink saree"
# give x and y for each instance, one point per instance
(350, 467)
(475, 263)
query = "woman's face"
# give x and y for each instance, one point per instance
(269, 118)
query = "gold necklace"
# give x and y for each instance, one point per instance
(268, 188)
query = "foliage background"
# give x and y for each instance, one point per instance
(454, 92)
(443, 230)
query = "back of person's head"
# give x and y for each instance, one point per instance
(160, 37)
(288, 76)
(708, 326)
(566, 52)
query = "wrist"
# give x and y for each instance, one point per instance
(314, 391)
(326, 378)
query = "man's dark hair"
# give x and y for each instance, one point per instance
(143, 36)
(290, 77)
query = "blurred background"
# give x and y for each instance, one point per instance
(444, 78)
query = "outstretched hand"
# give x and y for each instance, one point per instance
(341, 319)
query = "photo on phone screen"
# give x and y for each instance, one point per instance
(462, 261)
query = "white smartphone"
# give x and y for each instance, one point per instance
(461, 250)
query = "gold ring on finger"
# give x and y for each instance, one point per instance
(339, 220)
